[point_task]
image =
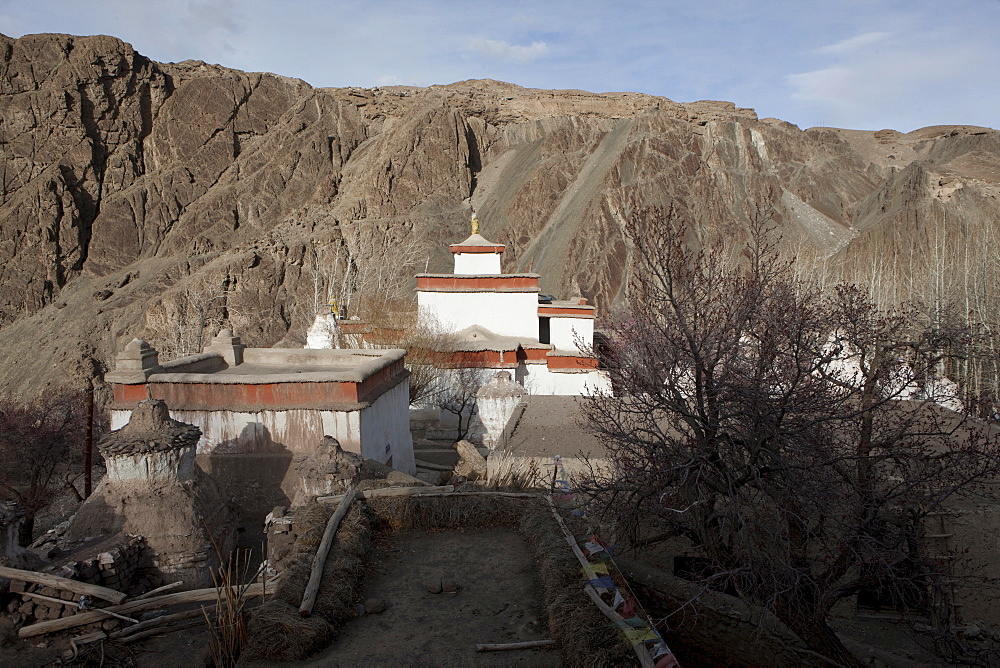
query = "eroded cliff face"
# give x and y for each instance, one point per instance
(137, 195)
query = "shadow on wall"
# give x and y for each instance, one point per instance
(251, 471)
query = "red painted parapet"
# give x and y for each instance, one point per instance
(580, 311)
(459, 248)
(130, 393)
(481, 359)
(571, 362)
(477, 283)
(534, 355)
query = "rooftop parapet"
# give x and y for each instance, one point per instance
(137, 362)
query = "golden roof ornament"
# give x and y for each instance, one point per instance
(475, 224)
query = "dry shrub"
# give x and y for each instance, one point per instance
(510, 472)
(228, 630)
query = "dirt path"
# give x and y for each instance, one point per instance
(499, 600)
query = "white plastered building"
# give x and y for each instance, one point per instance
(499, 321)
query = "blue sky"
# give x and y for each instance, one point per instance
(865, 64)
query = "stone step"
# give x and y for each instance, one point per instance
(440, 456)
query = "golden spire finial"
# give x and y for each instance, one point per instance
(475, 223)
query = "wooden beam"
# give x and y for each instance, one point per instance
(158, 590)
(160, 629)
(387, 491)
(162, 621)
(527, 644)
(56, 582)
(319, 561)
(92, 615)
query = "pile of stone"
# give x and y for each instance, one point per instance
(27, 609)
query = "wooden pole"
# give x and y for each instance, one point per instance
(92, 615)
(446, 490)
(528, 644)
(66, 584)
(162, 621)
(319, 561)
(387, 491)
(158, 590)
(159, 629)
(644, 659)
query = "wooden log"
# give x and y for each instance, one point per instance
(160, 629)
(109, 613)
(502, 647)
(567, 534)
(166, 600)
(65, 584)
(162, 621)
(387, 491)
(319, 561)
(509, 495)
(158, 591)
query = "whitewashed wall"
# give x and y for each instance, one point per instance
(563, 332)
(503, 313)
(298, 431)
(387, 423)
(477, 263)
(539, 379)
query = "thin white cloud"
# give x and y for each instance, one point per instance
(498, 49)
(855, 44)
(829, 84)
(388, 80)
(926, 71)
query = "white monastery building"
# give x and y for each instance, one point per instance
(500, 321)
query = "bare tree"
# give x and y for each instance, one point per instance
(186, 318)
(40, 442)
(457, 395)
(755, 419)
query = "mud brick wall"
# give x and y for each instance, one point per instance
(122, 568)
(280, 530)
(117, 568)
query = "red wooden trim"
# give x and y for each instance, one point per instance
(579, 311)
(130, 393)
(530, 355)
(485, 283)
(499, 248)
(485, 359)
(572, 362)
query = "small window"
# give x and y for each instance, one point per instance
(543, 330)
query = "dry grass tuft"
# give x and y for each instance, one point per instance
(511, 473)
(277, 632)
(408, 512)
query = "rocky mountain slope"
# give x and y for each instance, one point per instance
(143, 198)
